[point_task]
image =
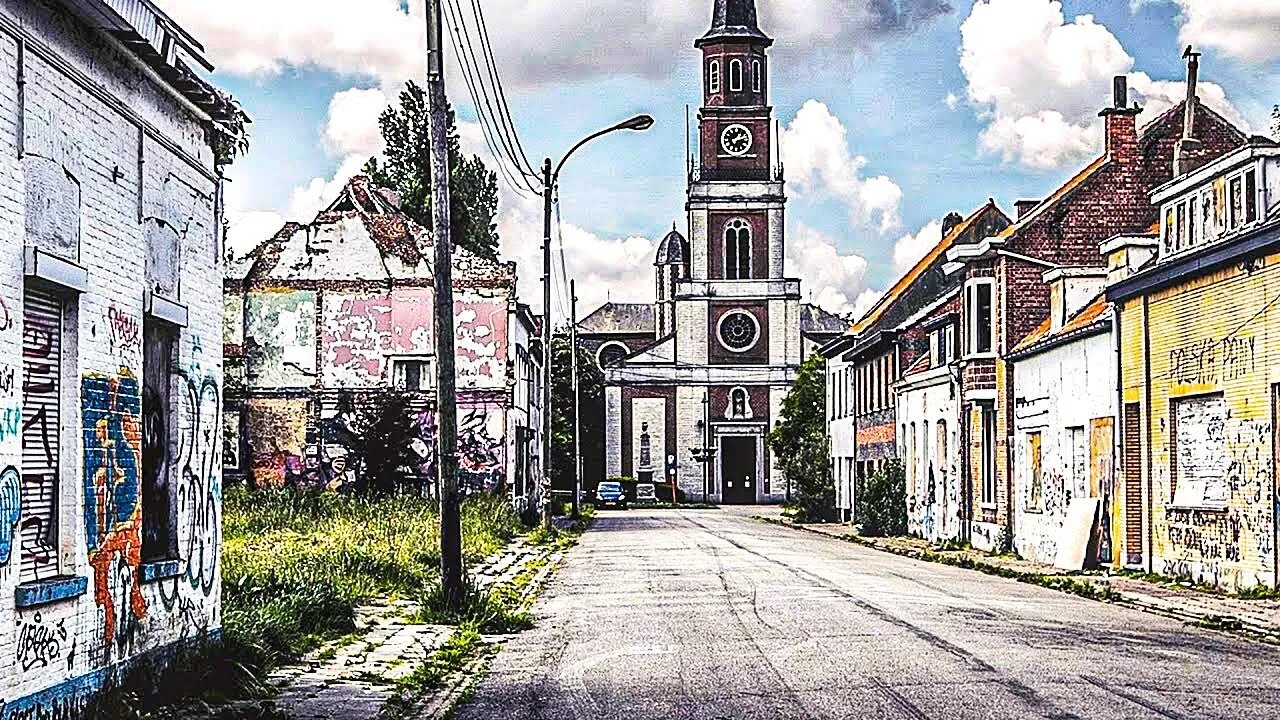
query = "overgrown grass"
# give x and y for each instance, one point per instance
(463, 647)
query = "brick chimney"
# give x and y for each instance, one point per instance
(1025, 206)
(1122, 122)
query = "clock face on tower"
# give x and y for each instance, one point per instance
(736, 140)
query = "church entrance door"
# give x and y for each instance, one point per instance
(738, 465)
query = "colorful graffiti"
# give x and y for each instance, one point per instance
(480, 450)
(10, 422)
(112, 508)
(277, 439)
(10, 511)
(199, 490)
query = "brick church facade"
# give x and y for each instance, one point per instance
(709, 362)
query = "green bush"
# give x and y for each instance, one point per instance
(882, 509)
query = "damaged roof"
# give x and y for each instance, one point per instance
(1094, 318)
(816, 321)
(361, 236)
(620, 319)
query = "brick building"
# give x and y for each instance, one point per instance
(729, 330)
(1005, 297)
(326, 313)
(111, 152)
(1199, 332)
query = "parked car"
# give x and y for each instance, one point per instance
(611, 494)
(646, 493)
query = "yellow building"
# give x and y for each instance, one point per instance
(1199, 339)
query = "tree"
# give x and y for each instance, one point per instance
(882, 506)
(387, 428)
(800, 444)
(591, 389)
(1275, 121)
(473, 188)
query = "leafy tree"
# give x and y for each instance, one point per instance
(591, 393)
(1275, 121)
(387, 429)
(800, 443)
(882, 507)
(473, 188)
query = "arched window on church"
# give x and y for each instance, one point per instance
(735, 75)
(737, 250)
(757, 76)
(713, 77)
(739, 404)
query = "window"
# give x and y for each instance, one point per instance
(43, 335)
(735, 75)
(737, 250)
(942, 449)
(1237, 202)
(757, 76)
(940, 349)
(1206, 217)
(1170, 231)
(739, 331)
(1079, 463)
(159, 503)
(610, 353)
(988, 412)
(412, 374)
(739, 404)
(713, 77)
(1251, 196)
(1181, 242)
(1200, 463)
(1035, 479)
(980, 318)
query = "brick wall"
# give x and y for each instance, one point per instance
(107, 218)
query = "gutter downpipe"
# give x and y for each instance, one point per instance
(1118, 474)
(1149, 540)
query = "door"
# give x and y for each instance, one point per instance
(1102, 485)
(738, 463)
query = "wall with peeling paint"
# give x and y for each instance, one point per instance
(927, 436)
(134, 449)
(1066, 398)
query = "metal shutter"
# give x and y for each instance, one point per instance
(41, 381)
(1133, 483)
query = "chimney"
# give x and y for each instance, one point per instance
(1128, 254)
(1071, 289)
(1121, 121)
(951, 222)
(1025, 206)
(1188, 153)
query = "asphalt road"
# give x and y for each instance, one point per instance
(710, 615)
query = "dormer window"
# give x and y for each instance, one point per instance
(735, 76)
(713, 77)
(757, 76)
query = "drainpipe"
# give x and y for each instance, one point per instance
(1119, 478)
(1149, 541)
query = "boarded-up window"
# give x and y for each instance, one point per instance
(159, 511)
(1035, 477)
(988, 454)
(1133, 482)
(1079, 462)
(41, 417)
(1199, 458)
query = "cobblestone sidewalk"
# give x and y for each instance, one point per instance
(1259, 619)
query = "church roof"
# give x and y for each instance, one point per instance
(619, 318)
(673, 250)
(734, 20)
(816, 321)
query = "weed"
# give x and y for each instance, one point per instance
(464, 646)
(498, 611)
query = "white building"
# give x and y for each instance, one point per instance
(1063, 442)
(110, 370)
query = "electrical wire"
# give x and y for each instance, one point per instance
(497, 82)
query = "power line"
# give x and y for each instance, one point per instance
(497, 81)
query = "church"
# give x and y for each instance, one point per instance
(709, 362)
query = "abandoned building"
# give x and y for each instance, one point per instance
(110, 378)
(326, 314)
(726, 334)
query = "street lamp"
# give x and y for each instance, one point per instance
(550, 179)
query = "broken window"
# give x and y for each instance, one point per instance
(1035, 477)
(988, 413)
(1180, 243)
(1251, 196)
(159, 507)
(412, 374)
(1200, 460)
(1170, 231)
(1237, 202)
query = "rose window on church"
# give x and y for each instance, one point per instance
(739, 331)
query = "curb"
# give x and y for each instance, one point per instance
(1230, 625)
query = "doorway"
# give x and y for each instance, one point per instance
(738, 465)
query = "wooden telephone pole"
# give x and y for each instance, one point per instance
(446, 380)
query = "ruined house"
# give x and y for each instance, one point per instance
(325, 314)
(110, 379)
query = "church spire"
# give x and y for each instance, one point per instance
(734, 20)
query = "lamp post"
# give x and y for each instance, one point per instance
(550, 179)
(705, 454)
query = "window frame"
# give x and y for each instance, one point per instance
(713, 77)
(757, 75)
(736, 231)
(399, 361)
(972, 326)
(736, 80)
(171, 336)
(990, 492)
(1033, 468)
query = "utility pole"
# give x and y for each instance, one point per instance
(446, 389)
(577, 403)
(548, 190)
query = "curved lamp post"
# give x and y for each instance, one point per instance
(550, 179)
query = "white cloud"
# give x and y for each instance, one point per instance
(248, 229)
(910, 248)
(1247, 30)
(951, 101)
(1038, 81)
(352, 124)
(536, 42)
(815, 150)
(834, 281)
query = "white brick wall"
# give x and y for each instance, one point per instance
(120, 616)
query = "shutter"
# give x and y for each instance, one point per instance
(41, 391)
(1133, 483)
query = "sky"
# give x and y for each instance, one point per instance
(893, 112)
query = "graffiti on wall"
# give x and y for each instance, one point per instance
(10, 422)
(199, 491)
(41, 644)
(481, 462)
(1210, 361)
(123, 331)
(10, 511)
(277, 439)
(7, 375)
(112, 408)
(281, 327)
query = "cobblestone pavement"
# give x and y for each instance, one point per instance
(714, 616)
